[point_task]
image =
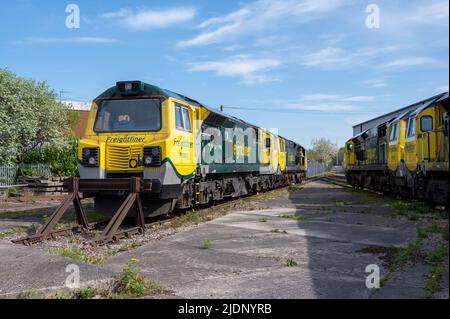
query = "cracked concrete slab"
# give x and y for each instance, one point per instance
(248, 259)
(24, 269)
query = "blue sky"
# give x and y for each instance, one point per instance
(310, 68)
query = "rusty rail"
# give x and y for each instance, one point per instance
(134, 186)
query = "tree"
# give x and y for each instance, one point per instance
(30, 118)
(323, 150)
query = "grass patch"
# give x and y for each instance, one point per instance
(278, 231)
(433, 283)
(294, 188)
(87, 293)
(410, 253)
(77, 254)
(263, 220)
(410, 210)
(294, 217)
(291, 262)
(96, 217)
(206, 244)
(444, 233)
(13, 231)
(131, 284)
(439, 254)
(23, 214)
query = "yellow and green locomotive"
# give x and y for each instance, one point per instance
(407, 155)
(193, 154)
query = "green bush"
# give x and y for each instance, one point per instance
(62, 159)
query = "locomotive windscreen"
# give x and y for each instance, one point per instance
(131, 115)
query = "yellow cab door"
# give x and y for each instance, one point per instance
(282, 154)
(183, 149)
(265, 144)
(410, 155)
(426, 138)
(274, 151)
(350, 153)
(393, 146)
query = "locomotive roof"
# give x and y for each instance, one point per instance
(153, 90)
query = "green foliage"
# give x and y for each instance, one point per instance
(433, 283)
(62, 158)
(30, 117)
(323, 150)
(291, 262)
(129, 280)
(77, 254)
(27, 171)
(87, 293)
(294, 217)
(206, 244)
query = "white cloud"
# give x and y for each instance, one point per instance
(151, 19)
(430, 13)
(375, 83)
(80, 40)
(338, 58)
(408, 62)
(249, 68)
(443, 88)
(328, 57)
(258, 17)
(329, 102)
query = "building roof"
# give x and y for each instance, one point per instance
(405, 109)
(77, 105)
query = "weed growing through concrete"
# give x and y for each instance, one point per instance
(206, 244)
(263, 219)
(294, 217)
(291, 262)
(278, 231)
(433, 283)
(77, 254)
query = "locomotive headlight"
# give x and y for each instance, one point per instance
(148, 160)
(92, 161)
(90, 156)
(152, 156)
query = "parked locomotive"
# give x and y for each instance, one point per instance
(193, 154)
(407, 155)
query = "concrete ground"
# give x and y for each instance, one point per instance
(249, 252)
(26, 270)
(312, 243)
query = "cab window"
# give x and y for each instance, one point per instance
(426, 123)
(350, 148)
(186, 119)
(182, 118)
(178, 117)
(393, 135)
(411, 130)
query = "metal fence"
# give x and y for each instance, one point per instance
(9, 174)
(315, 168)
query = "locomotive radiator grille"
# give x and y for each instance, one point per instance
(119, 157)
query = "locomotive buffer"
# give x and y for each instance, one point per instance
(111, 233)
